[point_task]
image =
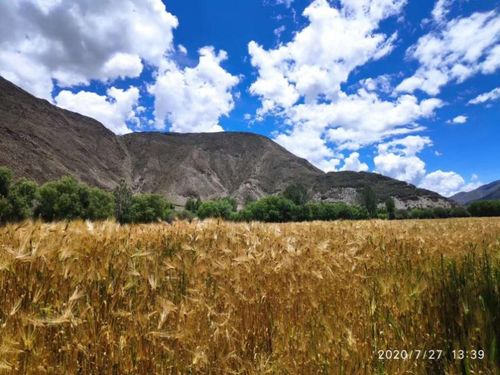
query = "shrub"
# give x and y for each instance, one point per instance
(123, 201)
(147, 208)
(485, 208)
(275, 208)
(61, 200)
(23, 198)
(221, 208)
(192, 205)
(98, 204)
(296, 193)
(390, 206)
(5, 181)
(369, 201)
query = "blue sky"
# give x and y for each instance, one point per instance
(409, 89)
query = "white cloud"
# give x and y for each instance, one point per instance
(193, 99)
(441, 10)
(462, 48)
(398, 158)
(300, 81)
(114, 109)
(486, 97)
(352, 163)
(448, 183)
(74, 42)
(461, 119)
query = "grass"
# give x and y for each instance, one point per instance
(220, 298)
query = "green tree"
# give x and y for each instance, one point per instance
(5, 181)
(23, 198)
(485, 208)
(147, 208)
(123, 202)
(61, 200)
(221, 208)
(274, 208)
(369, 200)
(192, 205)
(390, 206)
(99, 204)
(297, 193)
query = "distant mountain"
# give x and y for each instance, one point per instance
(485, 192)
(44, 142)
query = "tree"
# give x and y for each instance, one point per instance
(61, 200)
(23, 198)
(100, 204)
(485, 208)
(147, 208)
(390, 206)
(369, 200)
(274, 208)
(5, 181)
(192, 205)
(123, 202)
(221, 208)
(297, 193)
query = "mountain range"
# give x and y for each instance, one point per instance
(44, 142)
(486, 192)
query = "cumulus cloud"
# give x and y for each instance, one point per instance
(73, 42)
(398, 158)
(447, 183)
(462, 48)
(301, 82)
(461, 119)
(487, 97)
(193, 99)
(352, 163)
(440, 10)
(115, 109)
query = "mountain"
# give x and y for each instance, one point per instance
(41, 141)
(485, 192)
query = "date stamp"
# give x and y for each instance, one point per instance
(428, 354)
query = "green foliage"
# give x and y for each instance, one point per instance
(459, 212)
(61, 200)
(5, 210)
(98, 204)
(390, 206)
(123, 200)
(221, 208)
(369, 200)
(485, 208)
(275, 209)
(23, 198)
(5, 181)
(296, 193)
(193, 205)
(147, 208)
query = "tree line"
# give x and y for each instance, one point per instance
(69, 199)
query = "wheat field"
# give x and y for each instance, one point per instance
(223, 298)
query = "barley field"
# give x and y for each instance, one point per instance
(223, 298)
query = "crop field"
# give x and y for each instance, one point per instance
(353, 297)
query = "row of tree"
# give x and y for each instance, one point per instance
(68, 199)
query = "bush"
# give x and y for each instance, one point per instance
(485, 208)
(459, 212)
(390, 206)
(123, 200)
(221, 208)
(147, 208)
(23, 198)
(296, 193)
(98, 204)
(192, 205)
(369, 201)
(61, 200)
(5, 181)
(275, 208)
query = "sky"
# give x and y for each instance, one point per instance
(406, 88)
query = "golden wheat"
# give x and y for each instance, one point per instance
(220, 298)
